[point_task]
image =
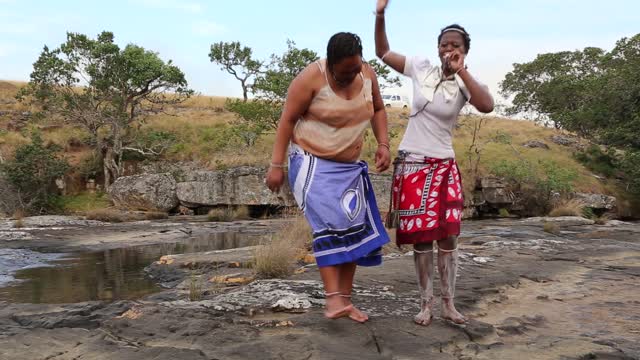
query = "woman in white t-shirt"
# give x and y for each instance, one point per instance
(427, 188)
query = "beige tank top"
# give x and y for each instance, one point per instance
(333, 128)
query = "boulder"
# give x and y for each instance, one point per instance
(152, 192)
(562, 140)
(495, 192)
(597, 202)
(536, 144)
(237, 186)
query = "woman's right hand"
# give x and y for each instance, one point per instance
(381, 6)
(274, 179)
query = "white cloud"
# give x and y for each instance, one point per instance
(207, 28)
(187, 6)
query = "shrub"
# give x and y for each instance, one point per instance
(33, 173)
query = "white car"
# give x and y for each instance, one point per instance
(395, 101)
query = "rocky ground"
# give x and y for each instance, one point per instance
(530, 294)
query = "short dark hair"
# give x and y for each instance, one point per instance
(342, 45)
(459, 29)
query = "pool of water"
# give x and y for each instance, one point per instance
(107, 275)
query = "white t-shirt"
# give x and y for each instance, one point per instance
(429, 132)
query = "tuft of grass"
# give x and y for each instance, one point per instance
(84, 202)
(550, 228)
(19, 214)
(156, 215)
(277, 258)
(107, 215)
(18, 217)
(504, 213)
(228, 213)
(195, 288)
(571, 207)
(603, 219)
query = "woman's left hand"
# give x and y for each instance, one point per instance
(383, 158)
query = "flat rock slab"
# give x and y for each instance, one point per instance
(540, 296)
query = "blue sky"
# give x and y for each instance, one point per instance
(502, 32)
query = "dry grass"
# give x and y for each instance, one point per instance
(204, 102)
(19, 214)
(603, 219)
(520, 132)
(550, 228)
(571, 207)
(107, 215)
(19, 223)
(8, 91)
(85, 202)
(18, 217)
(277, 258)
(202, 128)
(156, 215)
(228, 213)
(195, 288)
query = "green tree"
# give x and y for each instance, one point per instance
(33, 173)
(95, 84)
(236, 60)
(254, 117)
(385, 80)
(272, 85)
(270, 88)
(553, 87)
(591, 92)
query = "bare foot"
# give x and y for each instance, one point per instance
(356, 314)
(337, 308)
(345, 311)
(450, 313)
(425, 315)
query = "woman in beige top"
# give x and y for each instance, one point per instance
(329, 106)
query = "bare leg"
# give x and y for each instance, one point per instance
(448, 269)
(346, 273)
(336, 306)
(423, 261)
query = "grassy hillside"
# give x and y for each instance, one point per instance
(204, 133)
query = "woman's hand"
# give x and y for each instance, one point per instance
(381, 6)
(455, 61)
(274, 179)
(383, 158)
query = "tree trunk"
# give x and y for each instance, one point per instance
(245, 91)
(112, 156)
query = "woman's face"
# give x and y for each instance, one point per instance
(346, 70)
(451, 41)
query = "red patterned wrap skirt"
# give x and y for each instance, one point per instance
(428, 198)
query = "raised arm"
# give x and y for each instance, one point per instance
(383, 51)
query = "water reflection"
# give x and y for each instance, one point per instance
(108, 275)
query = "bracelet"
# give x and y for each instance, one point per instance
(278, 166)
(377, 14)
(385, 145)
(385, 55)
